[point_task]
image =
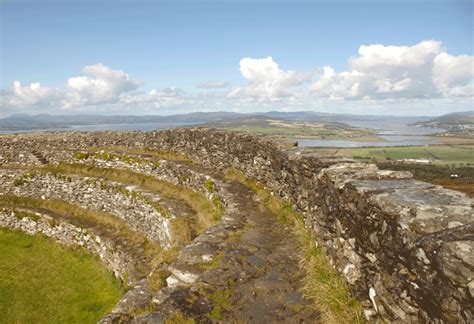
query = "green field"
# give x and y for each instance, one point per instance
(440, 154)
(299, 129)
(44, 282)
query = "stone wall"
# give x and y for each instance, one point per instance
(95, 194)
(404, 246)
(170, 171)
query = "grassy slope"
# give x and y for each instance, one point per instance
(43, 282)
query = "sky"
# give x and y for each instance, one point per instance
(165, 57)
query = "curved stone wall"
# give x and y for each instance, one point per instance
(404, 246)
(96, 194)
(170, 171)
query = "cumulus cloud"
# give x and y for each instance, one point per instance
(424, 70)
(453, 74)
(31, 95)
(377, 76)
(99, 84)
(267, 80)
(212, 85)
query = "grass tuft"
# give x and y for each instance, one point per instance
(209, 185)
(220, 299)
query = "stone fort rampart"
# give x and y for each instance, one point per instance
(405, 247)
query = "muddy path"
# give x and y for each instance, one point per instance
(242, 270)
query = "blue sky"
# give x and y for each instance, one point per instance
(179, 44)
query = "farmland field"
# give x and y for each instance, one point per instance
(438, 154)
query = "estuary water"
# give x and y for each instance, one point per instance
(107, 127)
(394, 132)
(390, 140)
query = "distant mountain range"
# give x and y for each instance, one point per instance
(38, 122)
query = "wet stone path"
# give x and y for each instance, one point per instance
(243, 270)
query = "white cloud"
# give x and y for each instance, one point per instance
(385, 72)
(100, 84)
(267, 80)
(452, 74)
(31, 95)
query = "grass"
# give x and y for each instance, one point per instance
(207, 213)
(312, 130)
(20, 214)
(209, 186)
(77, 213)
(81, 217)
(322, 283)
(44, 282)
(85, 218)
(440, 154)
(438, 174)
(179, 318)
(221, 302)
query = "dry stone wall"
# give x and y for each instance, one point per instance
(92, 193)
(170, 171)
(404, 246)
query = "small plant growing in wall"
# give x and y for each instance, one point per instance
(209, 186)
(80, 155)
(18, 182)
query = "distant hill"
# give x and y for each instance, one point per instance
(26, 122)
(37, 122)
(458, 122)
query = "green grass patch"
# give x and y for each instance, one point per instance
(81, 217)
(80, 155)
(44, 282)
(85, 218)
(18, 182)
(322, 283)
(221, 301)
(209, 186)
